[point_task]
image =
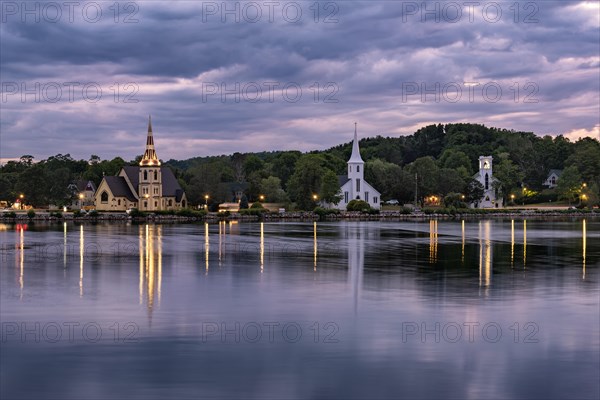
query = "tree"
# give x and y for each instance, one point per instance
(271, 188)
(243, 202)
(455, 159)
(569, 184)
(450, 180)
(306, 180)
(330, 188)
(427, 175)
(474, 191)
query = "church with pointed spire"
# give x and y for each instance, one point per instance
(147, 186)
(353, 185)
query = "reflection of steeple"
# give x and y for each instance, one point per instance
(512, 243)
(485, 253)
(150, 264)
(356, 258)
(21, 259)
(206, 245)
(524, 243)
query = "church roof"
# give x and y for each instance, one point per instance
(119, 188)
(342, 179)
(355, 156)
(170, 185)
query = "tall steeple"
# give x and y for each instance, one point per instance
(355, 157)
(149, 157)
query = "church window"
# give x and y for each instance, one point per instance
(119, 202)
(358, 185)
(367, 197)
(104, 197)
(358, 168)
(156, 204)
(345, 197)
(170, 202)
(145, 175)
(155, 175)
(183, 203)
(145, 204)
(487, 182)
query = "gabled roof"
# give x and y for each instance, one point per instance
(119, 188)
(557, 172)
(342, 179)
(82, 185)
(170, 185)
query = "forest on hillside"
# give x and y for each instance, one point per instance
(443, 157)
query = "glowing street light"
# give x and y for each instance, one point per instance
(315, 197)
(261, 197)
(206, 197)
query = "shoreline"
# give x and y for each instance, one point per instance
(306, 217)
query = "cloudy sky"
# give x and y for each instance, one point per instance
(82, 77)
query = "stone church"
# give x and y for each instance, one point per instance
(353, 185)
(147, 187)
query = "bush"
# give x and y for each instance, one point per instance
(10, 214)
(31, 214)
(165, 212)
(253, 211)
(454, 200)
(324, 212)
(223, 214)
(189, 213)
(56, 214)
(358, 205)
(406, 210)
(76, 213)
(93, 214)
(257, 205)
(135, 213)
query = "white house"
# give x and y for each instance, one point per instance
(353, 186)
(552, 179)
(491, 198)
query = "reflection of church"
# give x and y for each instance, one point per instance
(491, 197)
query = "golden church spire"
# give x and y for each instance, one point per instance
(149, 157)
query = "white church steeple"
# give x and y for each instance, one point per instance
(356, 169)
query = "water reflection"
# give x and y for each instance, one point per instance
(485, 253)
(433, 241)
(462, 257)
(584, 245)
(262, 246)
(356, 258)
(21, 258)
(524, 243)
(206, 245)
(81, 255)
(150, 271)
(512, 243)
(315, 246)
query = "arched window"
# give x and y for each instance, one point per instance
(358, 168)
(155, 175)
(183, 203)
(104, 197)
(145, 175)
(487, 182)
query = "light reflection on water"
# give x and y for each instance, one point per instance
(363, 285)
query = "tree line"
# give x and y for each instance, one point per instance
(444, 159)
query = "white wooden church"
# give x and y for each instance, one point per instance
(353, 186)
(491, 197)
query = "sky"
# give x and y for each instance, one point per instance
(82, 77)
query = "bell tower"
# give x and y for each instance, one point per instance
(356, 170)
(485, 171)
(150, 179)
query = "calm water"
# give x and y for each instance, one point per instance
(473, 310)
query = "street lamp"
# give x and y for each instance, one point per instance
(261, 197)
(315, 197)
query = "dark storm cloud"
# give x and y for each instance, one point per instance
(368, 57)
